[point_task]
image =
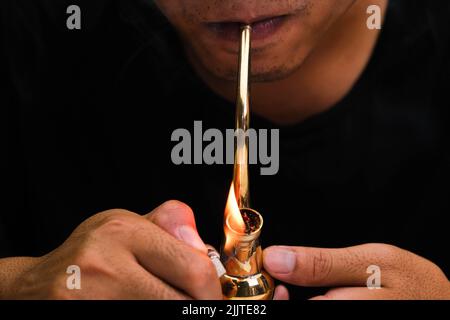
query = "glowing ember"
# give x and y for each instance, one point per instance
(251, 220)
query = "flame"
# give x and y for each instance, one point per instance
(233, 214)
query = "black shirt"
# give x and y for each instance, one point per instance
(88, 116)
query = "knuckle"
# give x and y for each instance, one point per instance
(390, 257)
(170, 212)
(175, 205)
(58, 290)
(322, 264)
(160, 219)
(114, 224)
(92, 263)
(382, 248)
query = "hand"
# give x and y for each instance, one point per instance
(123, 255)
(404, 275)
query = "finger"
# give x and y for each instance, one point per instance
(148, 287)
(329, 267)
(281, 293)
(118, 276)
(177, 219)
(174, 262)
(358, 293)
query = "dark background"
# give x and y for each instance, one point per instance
(87, 117)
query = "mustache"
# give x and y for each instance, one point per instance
(241, 10)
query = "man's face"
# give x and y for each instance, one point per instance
(284, 32)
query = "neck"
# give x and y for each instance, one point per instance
(325, 77)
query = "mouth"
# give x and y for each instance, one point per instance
(262, 28)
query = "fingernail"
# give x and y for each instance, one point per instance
(277, 260)
(190, 237)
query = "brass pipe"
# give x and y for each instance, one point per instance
(241, 254)
(240, 176)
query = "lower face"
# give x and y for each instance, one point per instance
(284, 32)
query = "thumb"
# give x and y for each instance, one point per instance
(317, 267)
(178, 220)
(281, 293)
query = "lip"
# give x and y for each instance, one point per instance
(262, 28)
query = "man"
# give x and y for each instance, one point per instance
(364, 156)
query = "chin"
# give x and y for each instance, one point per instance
(276, 65)
(261, 71)
(272, 73)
